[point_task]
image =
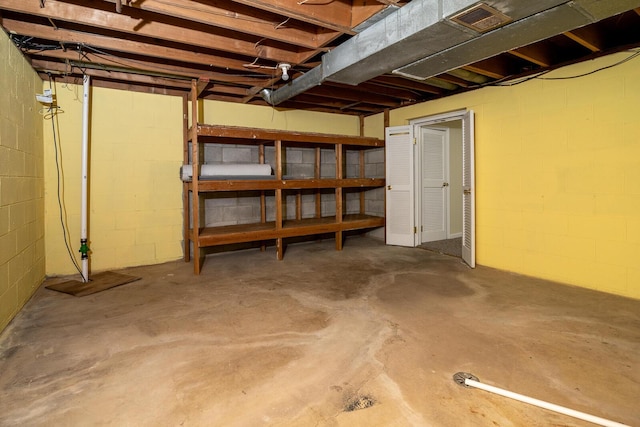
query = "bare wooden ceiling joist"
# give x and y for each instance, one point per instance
(158, 46)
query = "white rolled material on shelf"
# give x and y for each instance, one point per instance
(226, 170)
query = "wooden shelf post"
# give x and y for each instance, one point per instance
(317, 171)
(279, 219)
(263, 202)
(185, 185)
(195, 193)
(339, 207)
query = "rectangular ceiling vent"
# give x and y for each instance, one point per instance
(481, 18)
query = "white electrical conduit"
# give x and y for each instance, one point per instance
(84, 249)
(468, 380)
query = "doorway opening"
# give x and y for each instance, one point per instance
(430, 183)
(438, 171)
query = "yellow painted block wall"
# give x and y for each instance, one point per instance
(136, 151)
(558, 174)
(135, 203)
(235, 114)
(22, 254)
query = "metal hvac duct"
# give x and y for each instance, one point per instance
(429, 37)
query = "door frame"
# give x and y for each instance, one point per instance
(468, 122)
(419, 181)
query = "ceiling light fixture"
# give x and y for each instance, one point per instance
(285, 70)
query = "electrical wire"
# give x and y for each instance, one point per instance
(629, 58)
(538, 76)
(52, 115)
(117, 60)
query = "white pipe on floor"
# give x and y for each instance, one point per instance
(85, 166)
(543, 404)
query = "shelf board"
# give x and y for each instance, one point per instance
(271, 184)
(241, 233)
(243, 135)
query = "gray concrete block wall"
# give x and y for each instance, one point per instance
(299, 162)
(374, 163)
(352, 164)
(327, 204)
(243, 208)
(229, 208)
(308, 205)
(351, 204)
(374, 202)
(327, 163)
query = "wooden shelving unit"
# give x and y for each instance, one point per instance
(198, 134)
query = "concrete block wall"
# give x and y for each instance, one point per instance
(231, 208)
(242, 208)
(135, 203)
(22, 254)
(557, 173)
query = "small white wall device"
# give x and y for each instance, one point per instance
(46, 97)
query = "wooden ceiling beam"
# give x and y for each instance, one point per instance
(536, 53)
(587, 37)
(496, 67)
(353, 95)
(407, 84)
(129, 87)
(201, 85)
(292, 105)
(337, 106)
(235, 17)
(465, 76)
(334, 15)
(227, 90)
(441, 83)
(454, 80)
(128, 46)
(223, 98)
(251, 93)
(142, 67)
(91, 14)
(364, 9)
(367, 88)
(44, 66)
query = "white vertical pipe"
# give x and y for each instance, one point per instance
(543, 404)
(85, 167)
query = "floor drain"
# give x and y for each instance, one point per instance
(359, 402)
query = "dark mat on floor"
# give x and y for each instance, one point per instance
(98, 282)
(451, 247)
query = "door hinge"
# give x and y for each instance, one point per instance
(415, 230)
(414, 141)
(421, 228)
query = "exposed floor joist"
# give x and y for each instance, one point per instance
(237, 45)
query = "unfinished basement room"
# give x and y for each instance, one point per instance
(320, 213)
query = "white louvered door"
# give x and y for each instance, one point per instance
(435, 185)
(468, 190)
(399, 179)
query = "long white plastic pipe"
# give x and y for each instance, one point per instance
(543, 404)
(85, 168)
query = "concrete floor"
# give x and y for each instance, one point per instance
(255, 341)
